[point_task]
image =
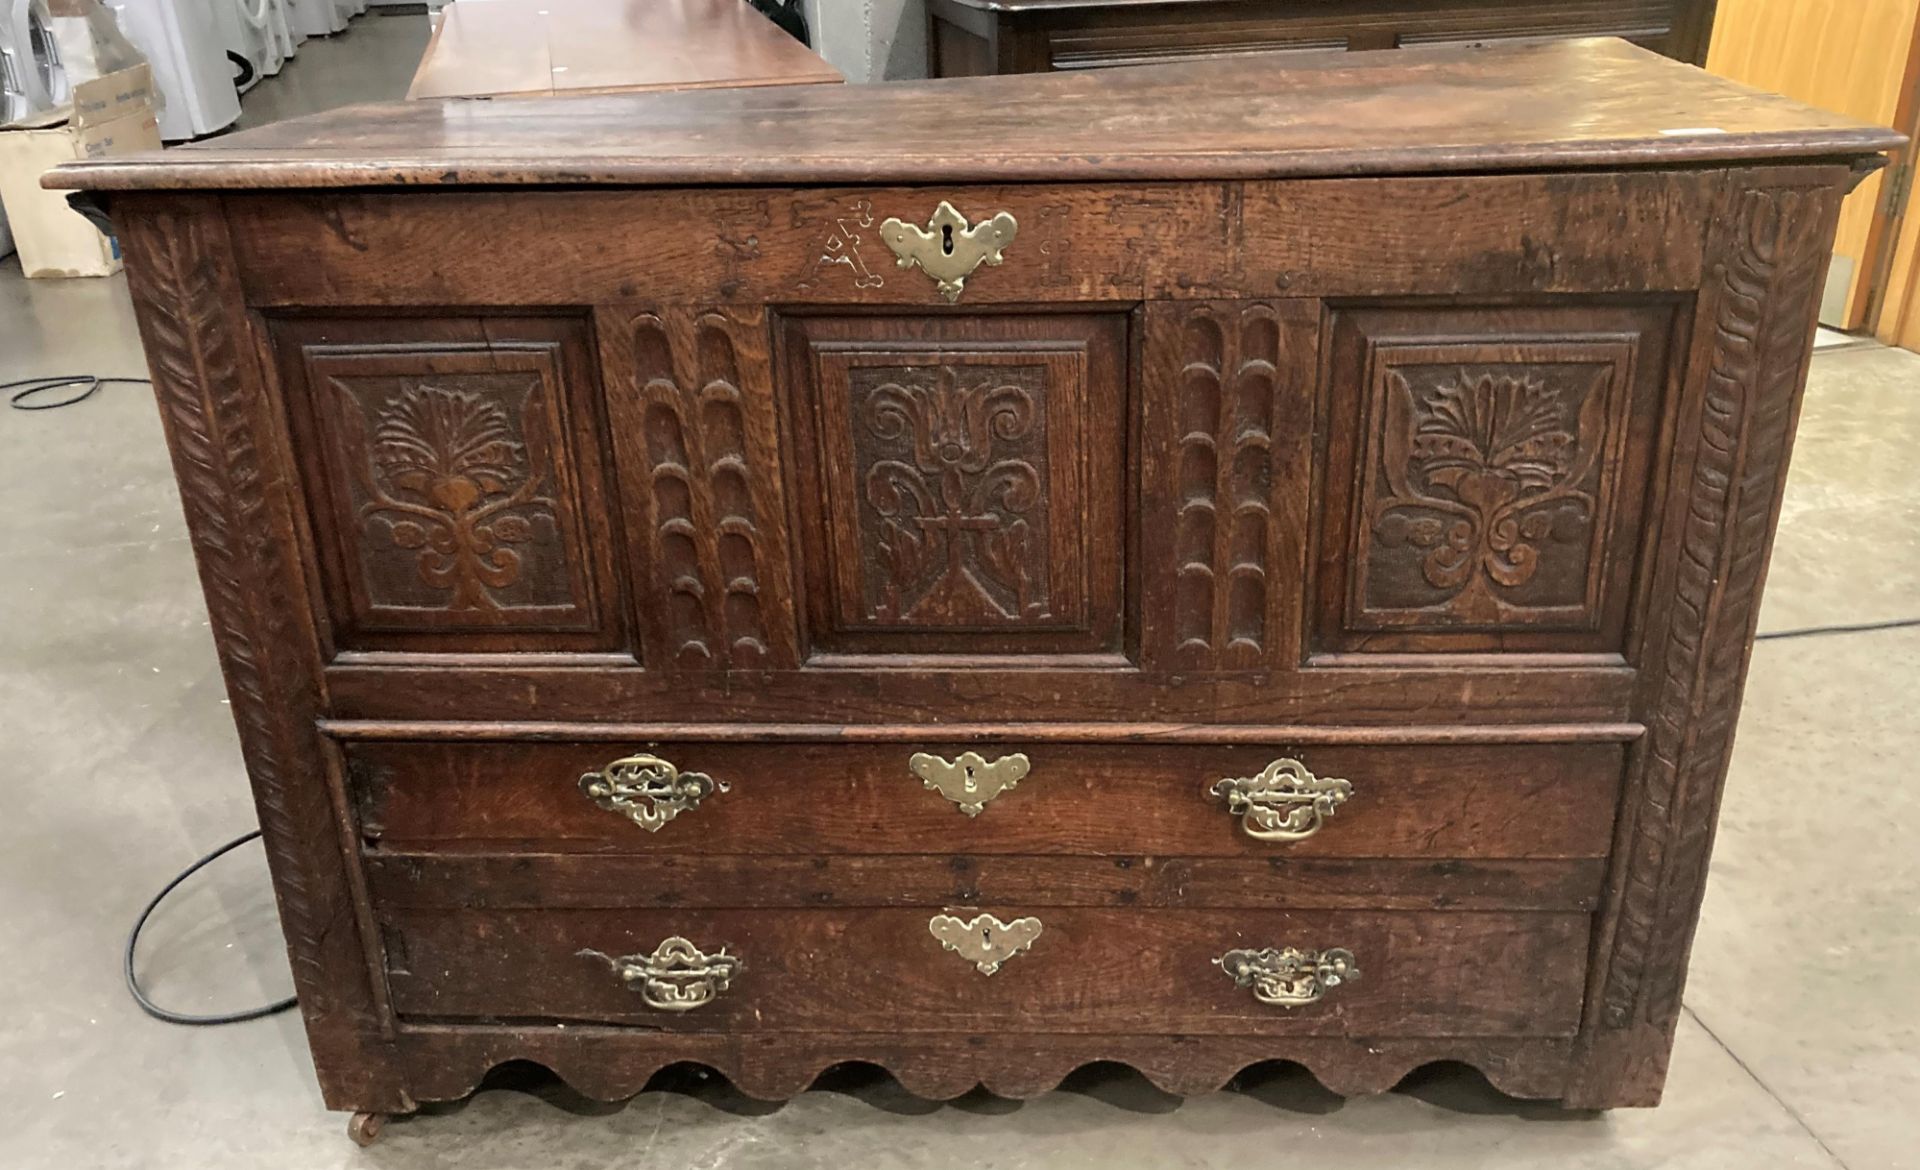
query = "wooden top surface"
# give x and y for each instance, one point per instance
(1544, 105)
(546, 47)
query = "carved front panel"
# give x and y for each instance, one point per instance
(1228, 422)
(693, 416)
(445, 488)
(1495, 500)
(965, 482)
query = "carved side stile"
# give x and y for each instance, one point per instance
(228, 457)
(1764, 298)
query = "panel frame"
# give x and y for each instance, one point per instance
(1090, 340)
(556, 346)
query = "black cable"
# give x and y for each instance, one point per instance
(1859, 628)
(25, 390)
(133, 941)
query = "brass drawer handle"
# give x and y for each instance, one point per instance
(1284, 802)
(648, 790)
(947, 249)
(970, 781)
(986, 942)
(677, 976)
(1289, 978)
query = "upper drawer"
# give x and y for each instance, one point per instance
(1411, 801)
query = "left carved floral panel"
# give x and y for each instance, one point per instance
(446, 478)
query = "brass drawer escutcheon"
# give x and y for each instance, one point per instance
(1284, 802)
(648, 790)
(1289, 977)
(986, 941)
(970, 781)
(677, 976)
(947, 249)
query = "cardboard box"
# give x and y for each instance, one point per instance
(110, 115)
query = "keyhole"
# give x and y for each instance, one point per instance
(946, 238)
(986, 935)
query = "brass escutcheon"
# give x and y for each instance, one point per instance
(1289, 977)
(676, 977)
(986, 941)
(1284, 802)
(969, 781)
(947, 249)
(648, 790)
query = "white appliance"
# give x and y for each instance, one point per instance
(323, 18)
(31, 79)
(190, 67)
(255, 32)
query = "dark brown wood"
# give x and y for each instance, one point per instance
(1457, 486)
(518, 880)
(970, 38)
(1620, 232)
(1458, 974)
(1414, 801)
(1554, 105)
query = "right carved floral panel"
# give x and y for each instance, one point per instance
(1497, 476)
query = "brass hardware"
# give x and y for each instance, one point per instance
(677, 976)
(986, 941)
(970, 781)
(1285, 802)
(1289, 978)
(648, 790)
(947, 249)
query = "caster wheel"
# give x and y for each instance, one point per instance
(364, 1128)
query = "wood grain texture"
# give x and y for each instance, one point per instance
(692, 414)
(452, 468)
(1499, 464)
(1566, 233)
(962, 489)
(1227, 422)
(1561, 104)
(1088, 971)
(1752, 349)
(1409, 801)
(1456, 487)
(520, 880)
(231, 459)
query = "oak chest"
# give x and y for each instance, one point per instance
(1183, 566)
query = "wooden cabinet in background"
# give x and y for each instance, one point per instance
(969, 38)
(1270, 577)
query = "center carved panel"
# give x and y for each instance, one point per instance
(964, 486)
(953, 509)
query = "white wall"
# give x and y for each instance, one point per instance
(871, 40)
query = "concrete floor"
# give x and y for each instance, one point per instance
(1800, 1047)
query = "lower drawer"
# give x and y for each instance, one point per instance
(1055, 970)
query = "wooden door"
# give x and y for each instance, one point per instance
(1854, 57)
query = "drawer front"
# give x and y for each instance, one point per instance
(1016, 968)
(1534, 801)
